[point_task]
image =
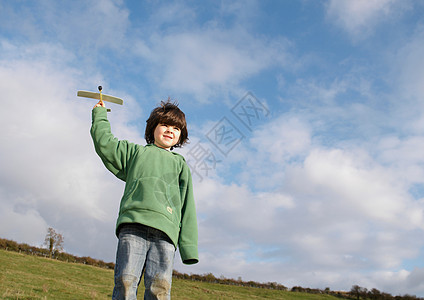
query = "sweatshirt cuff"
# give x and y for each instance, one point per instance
(99, 111)
(189, 254)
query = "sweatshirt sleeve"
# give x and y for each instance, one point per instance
(187, 241)
(114, 154)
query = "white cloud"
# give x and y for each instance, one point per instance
(84, 25)
(284, 139)
(401, 282)
(209, 61)
(408, 73)
(364, 186)
(403, 155)
(359, 18)
(17, 216)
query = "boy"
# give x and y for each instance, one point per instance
(157, 211)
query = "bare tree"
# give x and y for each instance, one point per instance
(358, 292)
(54, 241)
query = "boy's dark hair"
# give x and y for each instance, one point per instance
(167, 113)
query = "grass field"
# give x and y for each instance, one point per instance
(30, 277)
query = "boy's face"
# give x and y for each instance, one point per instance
(166, 136)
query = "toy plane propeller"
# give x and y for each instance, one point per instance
(100, 96)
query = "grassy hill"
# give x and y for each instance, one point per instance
(25, 276)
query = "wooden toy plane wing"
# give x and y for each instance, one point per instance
(100, 96)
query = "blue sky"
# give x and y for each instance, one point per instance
(323, 188)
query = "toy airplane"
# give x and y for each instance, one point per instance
(100, 96)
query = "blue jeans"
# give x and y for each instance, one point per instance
(143, 249)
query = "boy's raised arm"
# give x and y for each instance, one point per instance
(115, 154)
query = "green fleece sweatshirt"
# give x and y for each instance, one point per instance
(158, 190)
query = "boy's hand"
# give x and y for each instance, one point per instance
(99, 104)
